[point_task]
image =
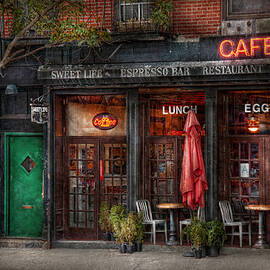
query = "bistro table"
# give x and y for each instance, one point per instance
(261, 242)
(172, 239)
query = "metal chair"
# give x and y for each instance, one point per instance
(186, 222)
(227, 218)
(144, 207)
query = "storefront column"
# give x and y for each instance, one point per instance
(211, 152)
(133, 147)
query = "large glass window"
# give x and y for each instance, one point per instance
(168, 113)
(247, 113)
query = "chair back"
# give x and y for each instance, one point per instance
(201, 214)
(226, 211)
(144, 207)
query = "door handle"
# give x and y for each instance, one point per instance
(27, 206)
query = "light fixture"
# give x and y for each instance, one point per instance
(253, 125)
(11, 89)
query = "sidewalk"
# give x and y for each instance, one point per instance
(95, 259)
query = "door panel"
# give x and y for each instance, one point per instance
(81, 185)
(244, 171)
(25, 186)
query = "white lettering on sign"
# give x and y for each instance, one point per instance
(66, 74)
(77, 74)
(174, 109)
(257, 108)
(147, 71)
(228, 70)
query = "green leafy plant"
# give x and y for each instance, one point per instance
(117, 215)
(196, 232)
(216, 233)
(104, 220)
(60, 21)
(139, 228)
(160, 14)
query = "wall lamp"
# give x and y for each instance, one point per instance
(11, 89)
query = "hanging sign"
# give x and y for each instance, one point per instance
(105, 121)
(39, 114)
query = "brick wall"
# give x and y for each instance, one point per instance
(193, 18)
(8, 24)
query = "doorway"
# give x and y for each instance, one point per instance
(90, 167)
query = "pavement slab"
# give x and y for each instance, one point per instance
(111, 259)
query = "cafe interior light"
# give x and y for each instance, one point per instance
(253, 125)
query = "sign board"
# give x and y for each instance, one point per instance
(39, 114)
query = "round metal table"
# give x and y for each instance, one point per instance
(170, 206)
(261, 242)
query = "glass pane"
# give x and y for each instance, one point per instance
(170, 151)
(170, 169)
(161, 151)
(81, 219)
(244, 151)
(153, 169)
(235, 187)
(90, 168)
(72, 202)
(245, 188)
(90, 220)
(90, 151)
(254, 189)
(254, 151)
(254, 170)
(152, 151)
(72, 185)
(72, 219)
(162, 187)
(234, 169)
(171, 189)
(161, 169)
(72, 151)
(235, 151)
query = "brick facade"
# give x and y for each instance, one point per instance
(190, 18)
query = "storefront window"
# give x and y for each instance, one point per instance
(168, 113)
(248, 114)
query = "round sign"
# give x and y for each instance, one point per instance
(105, 121)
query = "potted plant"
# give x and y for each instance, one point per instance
(104, 220)
(117, 215)
(131, 231)
(215, 237)
(139, 231)
(196, 232)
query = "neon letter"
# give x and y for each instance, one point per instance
(241, 43)
(266, 46)
(254, 47)
(222, 51)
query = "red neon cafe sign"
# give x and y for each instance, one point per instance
(105, 121)
(244, 47)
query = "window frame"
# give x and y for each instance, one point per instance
(228, 14)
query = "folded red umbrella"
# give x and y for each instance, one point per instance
(193, 178)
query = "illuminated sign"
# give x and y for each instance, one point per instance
(174, 109)
(105, 121)
(244, 47)
(257, 108)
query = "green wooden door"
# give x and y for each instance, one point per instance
(25, 186)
